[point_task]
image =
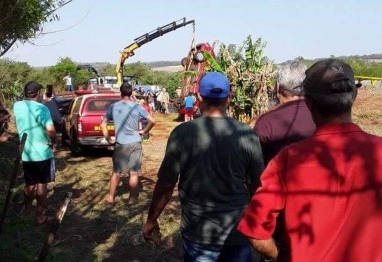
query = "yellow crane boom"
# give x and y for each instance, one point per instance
(128, 51)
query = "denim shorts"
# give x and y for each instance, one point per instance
(194, 252)
(127, 157)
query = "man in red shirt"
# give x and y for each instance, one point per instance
(329, 185)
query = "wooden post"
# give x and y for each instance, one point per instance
(12, 182)
(54, 228)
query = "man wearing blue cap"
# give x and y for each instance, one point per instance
(218, 162)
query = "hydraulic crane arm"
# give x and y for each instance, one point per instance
(128, 51)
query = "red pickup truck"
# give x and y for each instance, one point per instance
(81, 125)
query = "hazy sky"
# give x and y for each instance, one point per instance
(100, 29)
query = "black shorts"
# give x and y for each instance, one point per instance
(38, 172)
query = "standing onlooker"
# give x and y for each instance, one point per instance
(52, 106)
(329, 185)
(68, 82)
(189, 102)
(218, 162)
(165, 100)
(34, 119)
(291, 121)
(128, 142)
(151, 101)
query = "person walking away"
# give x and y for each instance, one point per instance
(49, 101)
(217, 161)
(189, 101)
(128, 142)
(165, 99)
(291, 121)
(68, 82)
(328, 185)
(34, 119)
(151, 101)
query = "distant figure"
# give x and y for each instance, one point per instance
(68, 82)
(189, 101)
(151, 101)
(165, 100)
(328, 185)
(141, 91)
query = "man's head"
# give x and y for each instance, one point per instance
(126, 89)
(32, 90)
(289, 81)
(330, 89)
(214, 89)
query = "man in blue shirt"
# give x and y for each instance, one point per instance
(34, 119)
(128, 142)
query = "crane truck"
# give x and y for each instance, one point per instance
(128, 51)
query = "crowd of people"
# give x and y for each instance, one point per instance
(304, 184)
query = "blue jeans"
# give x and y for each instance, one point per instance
(69, 88)
(194, 252)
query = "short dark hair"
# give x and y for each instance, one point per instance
(334, 104)
(126, 89)
(215, 102)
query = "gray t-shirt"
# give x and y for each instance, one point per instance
(215, 159)
(126, 116)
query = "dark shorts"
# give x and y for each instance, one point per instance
(127, 157)
(38, 172)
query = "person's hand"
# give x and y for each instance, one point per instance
(151, 232)
(52, 146)
(111, 141)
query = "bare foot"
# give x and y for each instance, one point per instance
(43, 220)
(109, 199)
(4, 137)
(131, 201)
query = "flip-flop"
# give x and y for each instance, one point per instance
(47, 220)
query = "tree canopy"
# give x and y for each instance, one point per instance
(22, 20)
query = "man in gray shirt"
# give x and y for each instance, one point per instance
(127, 154)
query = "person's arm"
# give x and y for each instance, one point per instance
(256, 166)
(105, 132)
(104, 123)
(168, 175)
(149, 126)
(258, 221)
(161, 196)
(266, 247)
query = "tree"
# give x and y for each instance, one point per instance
(13, 76)
(22, 20)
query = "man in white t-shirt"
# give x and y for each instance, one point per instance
(68, 82)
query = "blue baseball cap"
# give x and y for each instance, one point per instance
(214, 85)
